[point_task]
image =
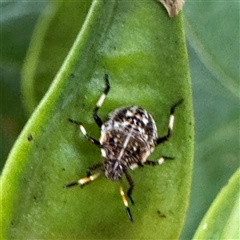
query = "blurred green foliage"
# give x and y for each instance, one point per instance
(213, 44)
(213, 47)
(115, 39)
(222, 218)
(18, 20)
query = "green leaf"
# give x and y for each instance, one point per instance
(212, 49)
(53, 37)
(147, 64)
(219, 51)
(222, 219)
(17, 22)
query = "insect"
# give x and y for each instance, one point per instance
(128, 137)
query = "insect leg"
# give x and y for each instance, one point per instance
(94, 167)
(100, 102)
(158, 162)
(131, 183)
(126, 204)
(170, 124)
(83, 181)
(89, 138)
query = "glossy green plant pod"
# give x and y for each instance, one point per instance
(143, 51)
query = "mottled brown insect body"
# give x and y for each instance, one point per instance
(127, 139)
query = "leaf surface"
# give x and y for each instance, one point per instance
(52, 39)
(222, 219)
(213, 49)
(147, 64)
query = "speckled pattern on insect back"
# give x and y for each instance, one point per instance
(128, 137)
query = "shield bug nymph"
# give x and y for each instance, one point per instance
(128, 137)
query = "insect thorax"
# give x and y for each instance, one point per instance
(128, 138)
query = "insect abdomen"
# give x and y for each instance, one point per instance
(128, 138)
